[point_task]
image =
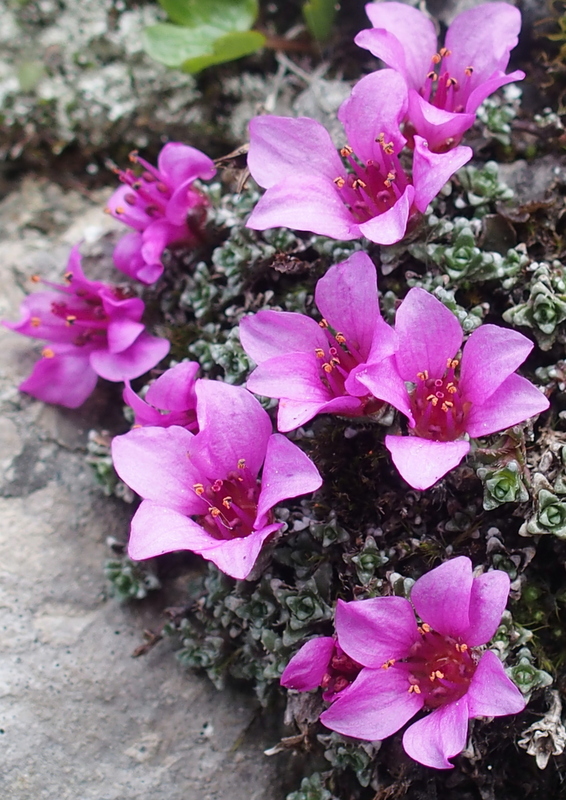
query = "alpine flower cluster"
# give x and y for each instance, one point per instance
(383, 666)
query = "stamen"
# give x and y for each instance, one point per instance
(227, 502)
(70, 319)
(389, 663)
(340, 338)
(119, 210)
(413, 688)
(35, 322)
(432, 398)
(323, 323)
(358, 184)
(68, 277)
(424, 628)
(241, 463)
(340, 182)
(444, 52)
(437, 58)
(432, 76)
(199, 488)
(327, 367)
(346, 151)
(423, 376)
(35, 279)
(47, 352)
(469, 71)
(319, 352)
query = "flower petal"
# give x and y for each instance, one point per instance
(65, 379)
(281, 147)
(347, 298)
(487, 603)
(276, 333)
(439, 736)
(490, 355)
(482, 91)
(180, 163)
(391, 226)
(515, 401)
(305, 203)
(296, 376)
(422, 462)
(429, 334)
(175, 389)
(441, 597)
(440, 128)
(155, 463)
(291, 414)
(141, 356)
(375, 706)
(307, 668)
(432, 170)
(376, 630)
(287, 472)
(158, 529)
(237, 557)
(384, 382)
(491, 692)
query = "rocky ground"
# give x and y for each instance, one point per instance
(79, 717)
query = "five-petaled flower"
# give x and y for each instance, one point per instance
(92, 329)
(443, 399)
(213, 477)
(162, 206)
(398, 668)
(309, 187)
(445, 86)
(311, 366)
(169, 400)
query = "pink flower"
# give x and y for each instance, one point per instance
(443, 403)
(321, 662)
(170, 400)
(213, 477)
(445, 86)
(309, 187)
(436, 666)
(161, 205)
(92, 329)
(311, 367)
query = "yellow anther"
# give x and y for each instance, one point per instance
(319, 352)
(452, 82)
(241, 463)
(214, 512)
(437, 58)
(413, 688)
(334, 361)
(68, 277)
(47, 352)
(35, 322)
(390, 178)
(346, 151)
(389, 663)
(452, 363)
(432, 398)
(444, 52)
(432, 76)
(469, 71)
(199, 488)
(423, 376)
(120, 210)
(358, 184)
(70, 318)
(451, 389)
(35, 279)
(340, 338)
(446, 405)
(462, 648)
(327, 367)
(424, 628)
(439, 674)
(227, 502)
(388, 148)
(323, 323)
(339, 182)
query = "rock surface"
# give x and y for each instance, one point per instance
(80, 719)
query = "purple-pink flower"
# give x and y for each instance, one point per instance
(170, 400)
(311, 366)
(162, 206)
(436, 666)
(212, 477)
(364, 193)
(445, 399)
(446, 85)
(92, 329)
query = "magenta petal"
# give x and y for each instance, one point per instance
(422, 462)
(384, 382)
(515, 401)
(291, 414)
(347, 298)
(120, 209)
(376, 630)
(491, 354)
(305, 203)
(236, 557)
(432, 170)
(441, 129)
(296, 376)
(375, 706)
(127, 254)
(282, 147)
(180, 163)
(307, 668)
(411, 27)
(487, 603)
(155, 463)
(122, 333)
(441, 597)
(276, 333)
(233, 426)
(174, 390)
(143, 355)
(429, 334)
(65, 379)
(482, 91)
(287, 472)
(439, 736)
(388, 48)
(377, 105)
(391, 226)
(491, 692)
(157, 529)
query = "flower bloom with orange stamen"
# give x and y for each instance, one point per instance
(445, 86)
(202, 492)
(161, 205)
(447, 401)
(93, 329)
(393, 668)
(362, 190)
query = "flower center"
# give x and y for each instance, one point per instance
(341, 672)
(230, 503)
(441, 89)
(372, 188)
(438, 407)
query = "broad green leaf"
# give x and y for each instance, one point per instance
(319, 16)
(173, 44)
(227, 48)
(224, 16)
